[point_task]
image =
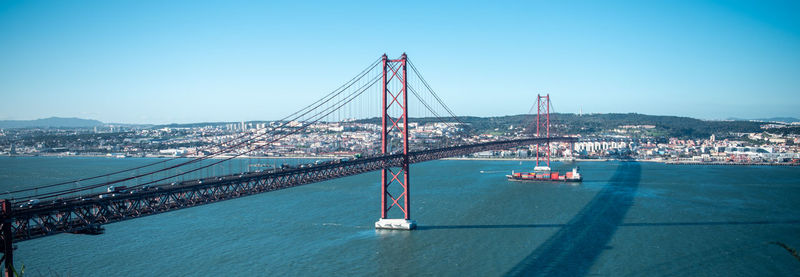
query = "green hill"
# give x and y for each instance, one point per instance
(668, 126)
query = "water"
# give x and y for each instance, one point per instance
(625, 219)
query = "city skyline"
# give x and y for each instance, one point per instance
(156, 63)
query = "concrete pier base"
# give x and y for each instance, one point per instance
(395, 224)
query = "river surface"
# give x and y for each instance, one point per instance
(625, 219)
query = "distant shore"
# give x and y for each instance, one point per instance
(727, 163)
(552, 160)
(632, 160)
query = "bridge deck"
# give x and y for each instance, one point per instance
(85, 213)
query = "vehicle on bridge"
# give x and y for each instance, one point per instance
(30, 203)
(117, 188)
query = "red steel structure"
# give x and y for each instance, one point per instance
(394, 111)
(83, 214)
(543, 126)
(7, 238)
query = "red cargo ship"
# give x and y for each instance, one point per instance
(543, 173)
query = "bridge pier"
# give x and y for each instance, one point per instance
(395, 224)
(7, 237)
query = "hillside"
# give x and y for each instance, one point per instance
(51, 122)
(593, 124)
(563, 123)
(668, 126)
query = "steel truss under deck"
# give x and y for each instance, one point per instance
(84, 214)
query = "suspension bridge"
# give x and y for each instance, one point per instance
(379, 94)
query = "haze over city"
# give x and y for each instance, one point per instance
(195, 61)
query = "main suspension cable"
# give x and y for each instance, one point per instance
(329, 110)
(220, 144)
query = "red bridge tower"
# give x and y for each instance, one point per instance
(395, 182)
(543, 128)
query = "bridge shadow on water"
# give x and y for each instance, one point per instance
(574, 248)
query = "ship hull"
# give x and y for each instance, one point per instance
(521, 179)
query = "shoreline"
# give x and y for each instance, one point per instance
(552, 160)
(184, 157)
(667, 162)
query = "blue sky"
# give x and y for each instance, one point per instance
(192, 61)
